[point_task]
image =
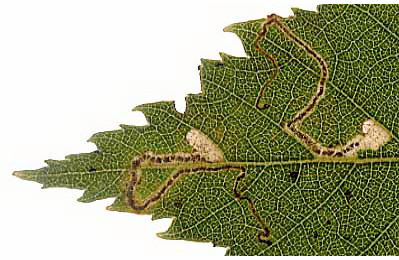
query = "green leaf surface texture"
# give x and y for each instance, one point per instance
(291, 150)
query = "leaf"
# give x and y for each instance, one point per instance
(292, 150)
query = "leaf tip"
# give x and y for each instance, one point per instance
(19, 174)
(23, 175)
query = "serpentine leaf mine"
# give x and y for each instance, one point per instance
(291, 150)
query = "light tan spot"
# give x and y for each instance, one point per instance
(373, 136)
(204, 146)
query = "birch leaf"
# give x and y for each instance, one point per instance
(291, 150)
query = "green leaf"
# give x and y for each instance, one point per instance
(292, 150)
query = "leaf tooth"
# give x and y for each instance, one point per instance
(157, 111)
(130, 127)
(167, 105)
(101, 139)
(300, 12)
(229, 28)
(226, 58)
(233, 27)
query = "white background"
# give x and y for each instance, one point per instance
(69, 69)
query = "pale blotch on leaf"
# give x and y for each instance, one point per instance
(203, 145)
(373, 136)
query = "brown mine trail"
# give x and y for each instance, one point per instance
(204, 158)
(276, 20)
(292, 125)
(379, 134)
(150, 159)
(262, 34)
(265, 235)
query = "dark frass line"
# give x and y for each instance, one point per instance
(153, 160)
